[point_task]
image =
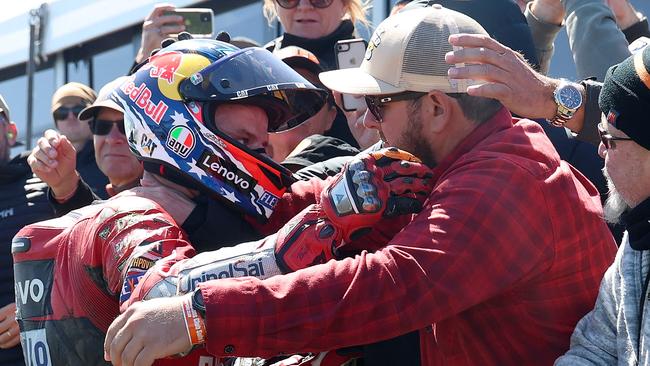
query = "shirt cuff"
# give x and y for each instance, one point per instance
(637, 30)
(589, 132)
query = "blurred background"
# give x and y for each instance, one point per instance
(93, 42)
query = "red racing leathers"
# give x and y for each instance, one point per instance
(71, 274)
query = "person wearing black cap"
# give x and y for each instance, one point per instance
(22, 201)
(617, 331)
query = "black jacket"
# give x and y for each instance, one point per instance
(23, 200)
(89, 171)
(322, 47)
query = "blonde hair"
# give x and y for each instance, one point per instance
(354, 9)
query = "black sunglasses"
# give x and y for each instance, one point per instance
(290, 4)
(101, 127)
(61, 113)
(607, 139)
(376, 102)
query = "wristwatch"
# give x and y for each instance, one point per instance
(568, 99)
(197, 302)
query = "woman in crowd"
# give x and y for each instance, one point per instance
(315, 25)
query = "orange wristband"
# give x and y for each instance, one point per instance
(194, 324)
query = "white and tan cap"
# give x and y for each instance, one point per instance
(407, 52)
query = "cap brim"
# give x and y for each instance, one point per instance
(91, 111)
(356, 81)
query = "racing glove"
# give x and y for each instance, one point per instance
(371, 187)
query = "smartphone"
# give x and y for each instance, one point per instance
(350, 53)
(198, 21)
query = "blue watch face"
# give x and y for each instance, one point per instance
(570, 97)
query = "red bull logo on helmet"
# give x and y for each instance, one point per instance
(181, 141)
(141, 95)
(165, 67)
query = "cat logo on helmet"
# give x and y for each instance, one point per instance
(147, 145)
(242, 94)
(272, 87)
(181, 141)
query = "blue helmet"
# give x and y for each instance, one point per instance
(169, 108)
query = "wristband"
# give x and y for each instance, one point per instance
(69, 195)
(194, 323)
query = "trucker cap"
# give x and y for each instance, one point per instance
(407, 52)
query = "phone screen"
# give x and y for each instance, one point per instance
(350, 53)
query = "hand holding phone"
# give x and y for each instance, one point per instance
(349, 54)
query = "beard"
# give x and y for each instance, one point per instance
(615, 206)
(413, 141)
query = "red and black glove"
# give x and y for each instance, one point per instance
(383, 184)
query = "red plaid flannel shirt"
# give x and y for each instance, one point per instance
(503, 261)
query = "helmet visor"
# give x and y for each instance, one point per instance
(256, 76)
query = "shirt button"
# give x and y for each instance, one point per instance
(229, 349)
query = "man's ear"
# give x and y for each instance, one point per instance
(437, 110)
(12, 133)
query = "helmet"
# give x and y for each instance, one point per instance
(169, 106)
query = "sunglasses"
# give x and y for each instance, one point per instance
(375, 103)
(607, 139)
(102, 127)
(290, 4)
(61, 113)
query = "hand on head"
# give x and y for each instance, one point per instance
(504, 75)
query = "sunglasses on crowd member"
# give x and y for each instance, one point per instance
(61, 113)
(607, 139)
(103, 127)
(290, 4)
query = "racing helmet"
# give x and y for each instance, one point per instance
(169, 105)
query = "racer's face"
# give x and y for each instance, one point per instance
(248, 124)
(112, 152)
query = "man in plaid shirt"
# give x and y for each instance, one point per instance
(503, 260)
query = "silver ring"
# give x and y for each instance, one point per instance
(8, 333)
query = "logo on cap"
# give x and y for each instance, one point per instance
(612, 116)
(374, 42)
(181, 141)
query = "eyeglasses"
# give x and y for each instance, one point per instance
(376, 102)
(61, 113)
(607, 139)
(101, 127)
(290, 4)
